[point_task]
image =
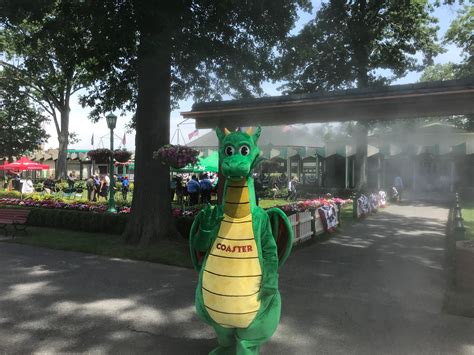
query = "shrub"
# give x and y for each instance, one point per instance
(10, 194)
(78, 220)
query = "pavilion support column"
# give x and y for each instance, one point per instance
(353, 172)
(452, 176)
(288, 169)
(347, 172)
(414, 175)
(379, 172)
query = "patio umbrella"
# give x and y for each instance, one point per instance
(24, 164)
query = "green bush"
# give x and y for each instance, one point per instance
(78, 220)
(91, 221)
(10, 194)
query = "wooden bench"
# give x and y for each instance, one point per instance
(15, 217)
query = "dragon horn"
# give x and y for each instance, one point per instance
(249, 131)
(226, 131)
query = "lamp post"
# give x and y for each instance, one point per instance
(111, 122)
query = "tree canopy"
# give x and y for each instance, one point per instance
(43, 44)
(461, 33)
(22, 124)
(359, 43)
(149, 55)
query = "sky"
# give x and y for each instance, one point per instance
(84, 128)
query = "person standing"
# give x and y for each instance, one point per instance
(96, 188)
(104, 187)
(90, 189)
(173, 187)
(125, 187)
(70, 181)
(206, 188)
(193, 188)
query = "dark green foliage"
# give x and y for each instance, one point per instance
(350, 42)
(21, 124)
(45, 44)
(461, 33)
(91, 222)
(78, 220)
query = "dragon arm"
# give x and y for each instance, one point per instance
(270, 258)
(204, 228)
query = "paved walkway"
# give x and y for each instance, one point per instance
(376, 290)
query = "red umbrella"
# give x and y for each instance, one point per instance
(24, 164)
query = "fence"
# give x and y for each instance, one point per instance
(308, 224)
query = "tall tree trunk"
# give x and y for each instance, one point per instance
(150, 218)
(63, 138)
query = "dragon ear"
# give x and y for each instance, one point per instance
(256, 135)
(219, 134)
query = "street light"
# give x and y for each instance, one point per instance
(111, 122)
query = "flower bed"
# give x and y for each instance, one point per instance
(302, 206)
(306, 219)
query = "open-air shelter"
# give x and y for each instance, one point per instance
(409, 101)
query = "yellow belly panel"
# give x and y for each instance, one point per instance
(232, 275)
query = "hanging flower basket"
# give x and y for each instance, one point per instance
(176, 156)
(100, 156)
(122, 156)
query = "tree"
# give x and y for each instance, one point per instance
(22, 125)
(43, 44)
(449, 71)
(460, 33)
(152, 54)
(359, 43)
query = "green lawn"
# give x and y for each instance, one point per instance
(166, 252)
(468, 215)
(264, 203)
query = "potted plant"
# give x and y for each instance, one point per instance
(100, 155)
(176, 156)
(122, 155)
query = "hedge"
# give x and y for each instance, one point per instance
(78, 220)
(91, 222)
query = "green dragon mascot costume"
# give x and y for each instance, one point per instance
(237, 248)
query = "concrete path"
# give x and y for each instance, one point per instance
(376, 290)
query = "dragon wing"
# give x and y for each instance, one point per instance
(282, 232)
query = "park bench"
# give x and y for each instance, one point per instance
(14, 217)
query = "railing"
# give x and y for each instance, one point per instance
(308, 224)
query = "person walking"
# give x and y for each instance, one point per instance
(292, 193)
(398, 183)
(193, 188)
(206, 188)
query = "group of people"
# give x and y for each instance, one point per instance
(98, 187)
(197, 190)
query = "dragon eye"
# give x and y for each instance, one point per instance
(229, 150)
(244, 150)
